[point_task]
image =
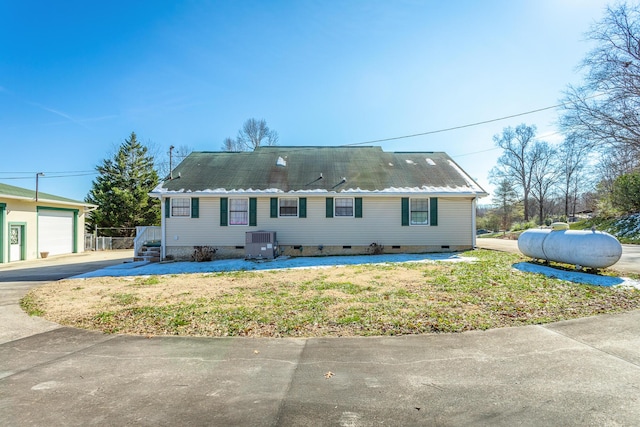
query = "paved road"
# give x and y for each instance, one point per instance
(575, 373)
(17, 278)
(628, 263)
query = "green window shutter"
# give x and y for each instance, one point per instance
(224, 203)
(274, 207)
(302, 202)
(253, 211)
(358, 207)
(167, 208)
(433, 211)
(195, 207)
(329, 207)
(405, 211)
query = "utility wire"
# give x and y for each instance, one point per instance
(457, 127)
(468, 125)
(48, 176)
(30, 172)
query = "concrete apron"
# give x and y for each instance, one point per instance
(581, 372)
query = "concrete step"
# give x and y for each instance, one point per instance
(146, 258)
(148, 253)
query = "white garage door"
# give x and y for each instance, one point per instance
(55, 232)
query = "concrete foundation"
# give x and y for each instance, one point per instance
(185, 253)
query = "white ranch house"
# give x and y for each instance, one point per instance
(316, 201)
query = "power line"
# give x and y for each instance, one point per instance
(467, 125)
(457, 127)
(33, 172)
(48, 176)
(477, 152)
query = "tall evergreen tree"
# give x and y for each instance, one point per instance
(121, 191)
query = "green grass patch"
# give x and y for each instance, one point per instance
(29, 305)
(124, 299)
(147, 281)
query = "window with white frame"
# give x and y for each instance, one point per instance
(343, 206)
(180, 207)
(419, 211)
(288, 206)
(238, 211)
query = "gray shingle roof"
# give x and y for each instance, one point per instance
(299, 169)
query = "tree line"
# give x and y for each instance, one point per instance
(597, 166)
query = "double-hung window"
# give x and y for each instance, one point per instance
(180, 207)
(288, 206)
(419, 211)
(343, 206)
(238, 211)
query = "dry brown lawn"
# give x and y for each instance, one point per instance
(337, 301)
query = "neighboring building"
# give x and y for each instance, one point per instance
(318, 201)
(31, 229)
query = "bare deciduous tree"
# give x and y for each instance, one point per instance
(604, 110)
(229, 144)
(544, 173)
(615, 162)
(517, 160)
(255, 133)
(573, 157)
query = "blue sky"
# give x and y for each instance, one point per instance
(77, 77)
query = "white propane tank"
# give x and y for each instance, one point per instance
(585, 248)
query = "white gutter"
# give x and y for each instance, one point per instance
(350, 192)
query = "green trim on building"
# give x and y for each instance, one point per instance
(195, 207)
(329, 207)
(23, 239)
(405, 211)
(224, 211)
(253, 211)
(3, 233)
(358, 207)
(302, 211)
(75, 232)
(433, 211)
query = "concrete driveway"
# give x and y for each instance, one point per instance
(628, 263)
(575, 373)
(18, 277)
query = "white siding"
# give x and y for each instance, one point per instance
(381, 223)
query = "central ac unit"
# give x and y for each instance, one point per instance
(260, 245)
